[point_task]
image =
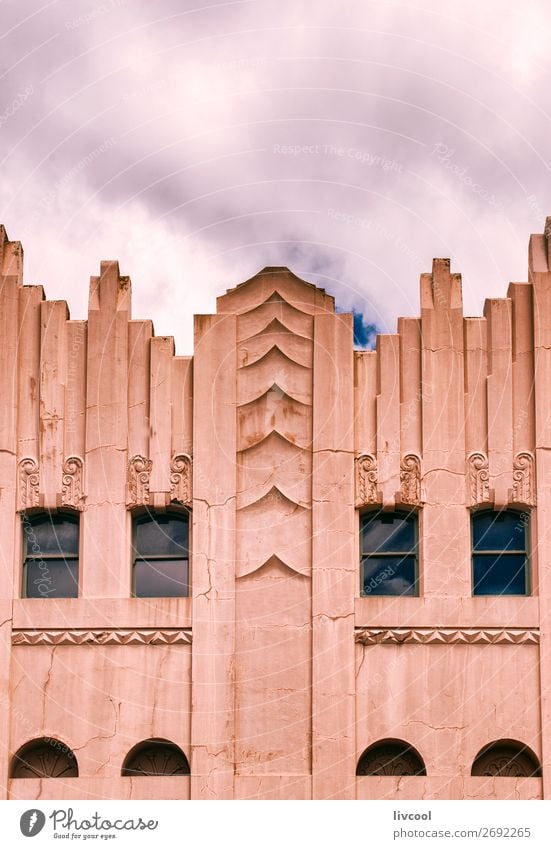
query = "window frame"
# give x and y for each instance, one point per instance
(66, 515)
(528, 584)
(403, 514)
(147, 514)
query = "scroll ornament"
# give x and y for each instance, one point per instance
(523, 491)
(72, 486)
(478, 478)
(139, 472)
(410, 480)
(180, 479)
(366, 480)
(29, 483)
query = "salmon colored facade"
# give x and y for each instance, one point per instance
(275, 674)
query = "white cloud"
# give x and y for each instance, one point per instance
(194, 193)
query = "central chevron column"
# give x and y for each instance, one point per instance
(274, 561)
(273, 589)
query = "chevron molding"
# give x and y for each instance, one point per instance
(447, 636)
(105, 637)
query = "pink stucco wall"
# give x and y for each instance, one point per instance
(274, 676)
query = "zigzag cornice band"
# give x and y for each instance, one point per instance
(280, 442)
(102, 637)
(273, 494)
(265, 436)
(277, 391)
(447, 636)
(275, 351)
(273, 562)
(257, 319)
(275, 298)
(273, 327)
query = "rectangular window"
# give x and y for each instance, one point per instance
(50, 546)
(389, 554)
(500, 560)
(161, 556)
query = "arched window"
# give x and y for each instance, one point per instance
(50, 555)
(161, 555)
(506, 759)
(391, 757)
(155, 757)
(388, 544)
(500, 562)
(44, 758)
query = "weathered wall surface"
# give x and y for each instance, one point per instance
(274, 675)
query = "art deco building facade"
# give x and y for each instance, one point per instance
(279, 568)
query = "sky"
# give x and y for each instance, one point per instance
(197, 142)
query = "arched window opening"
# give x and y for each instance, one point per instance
(388, 544)
(50, 555)
(391, 757)
(155, 757)
(44, 758)
(161, 555)
(506, 759)
(499, 549)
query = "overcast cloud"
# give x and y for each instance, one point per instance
(198, 142)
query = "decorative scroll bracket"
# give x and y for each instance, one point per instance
(366, 481)
(410, 481)
(181, 479)
(72, 484)
(28, 479)
(523, 492)
(139, 473)
(478, 480)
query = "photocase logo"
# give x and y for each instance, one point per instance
(32, 822)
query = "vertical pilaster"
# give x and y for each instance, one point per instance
(160, 416)
(498, 315)
(75, 390)
(334, 560)
(213, 566)
(409, 332)
(53, 368)
(444, 536)
(476, 400)
(522, 297)
(139, 352)
(10, 278)
(388, 417)
(105, 543)
(182, 405)
(540, 277)
(28, 393)
(365, 407)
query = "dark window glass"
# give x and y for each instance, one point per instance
(499, 532)
(389, 554)
(162, 536)
(391, 757)
(44, 758)
(156, 757)
(50, 545)
(161, 556)
(506, 759)
(499, 553)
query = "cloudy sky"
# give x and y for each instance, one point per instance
(197, 142)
